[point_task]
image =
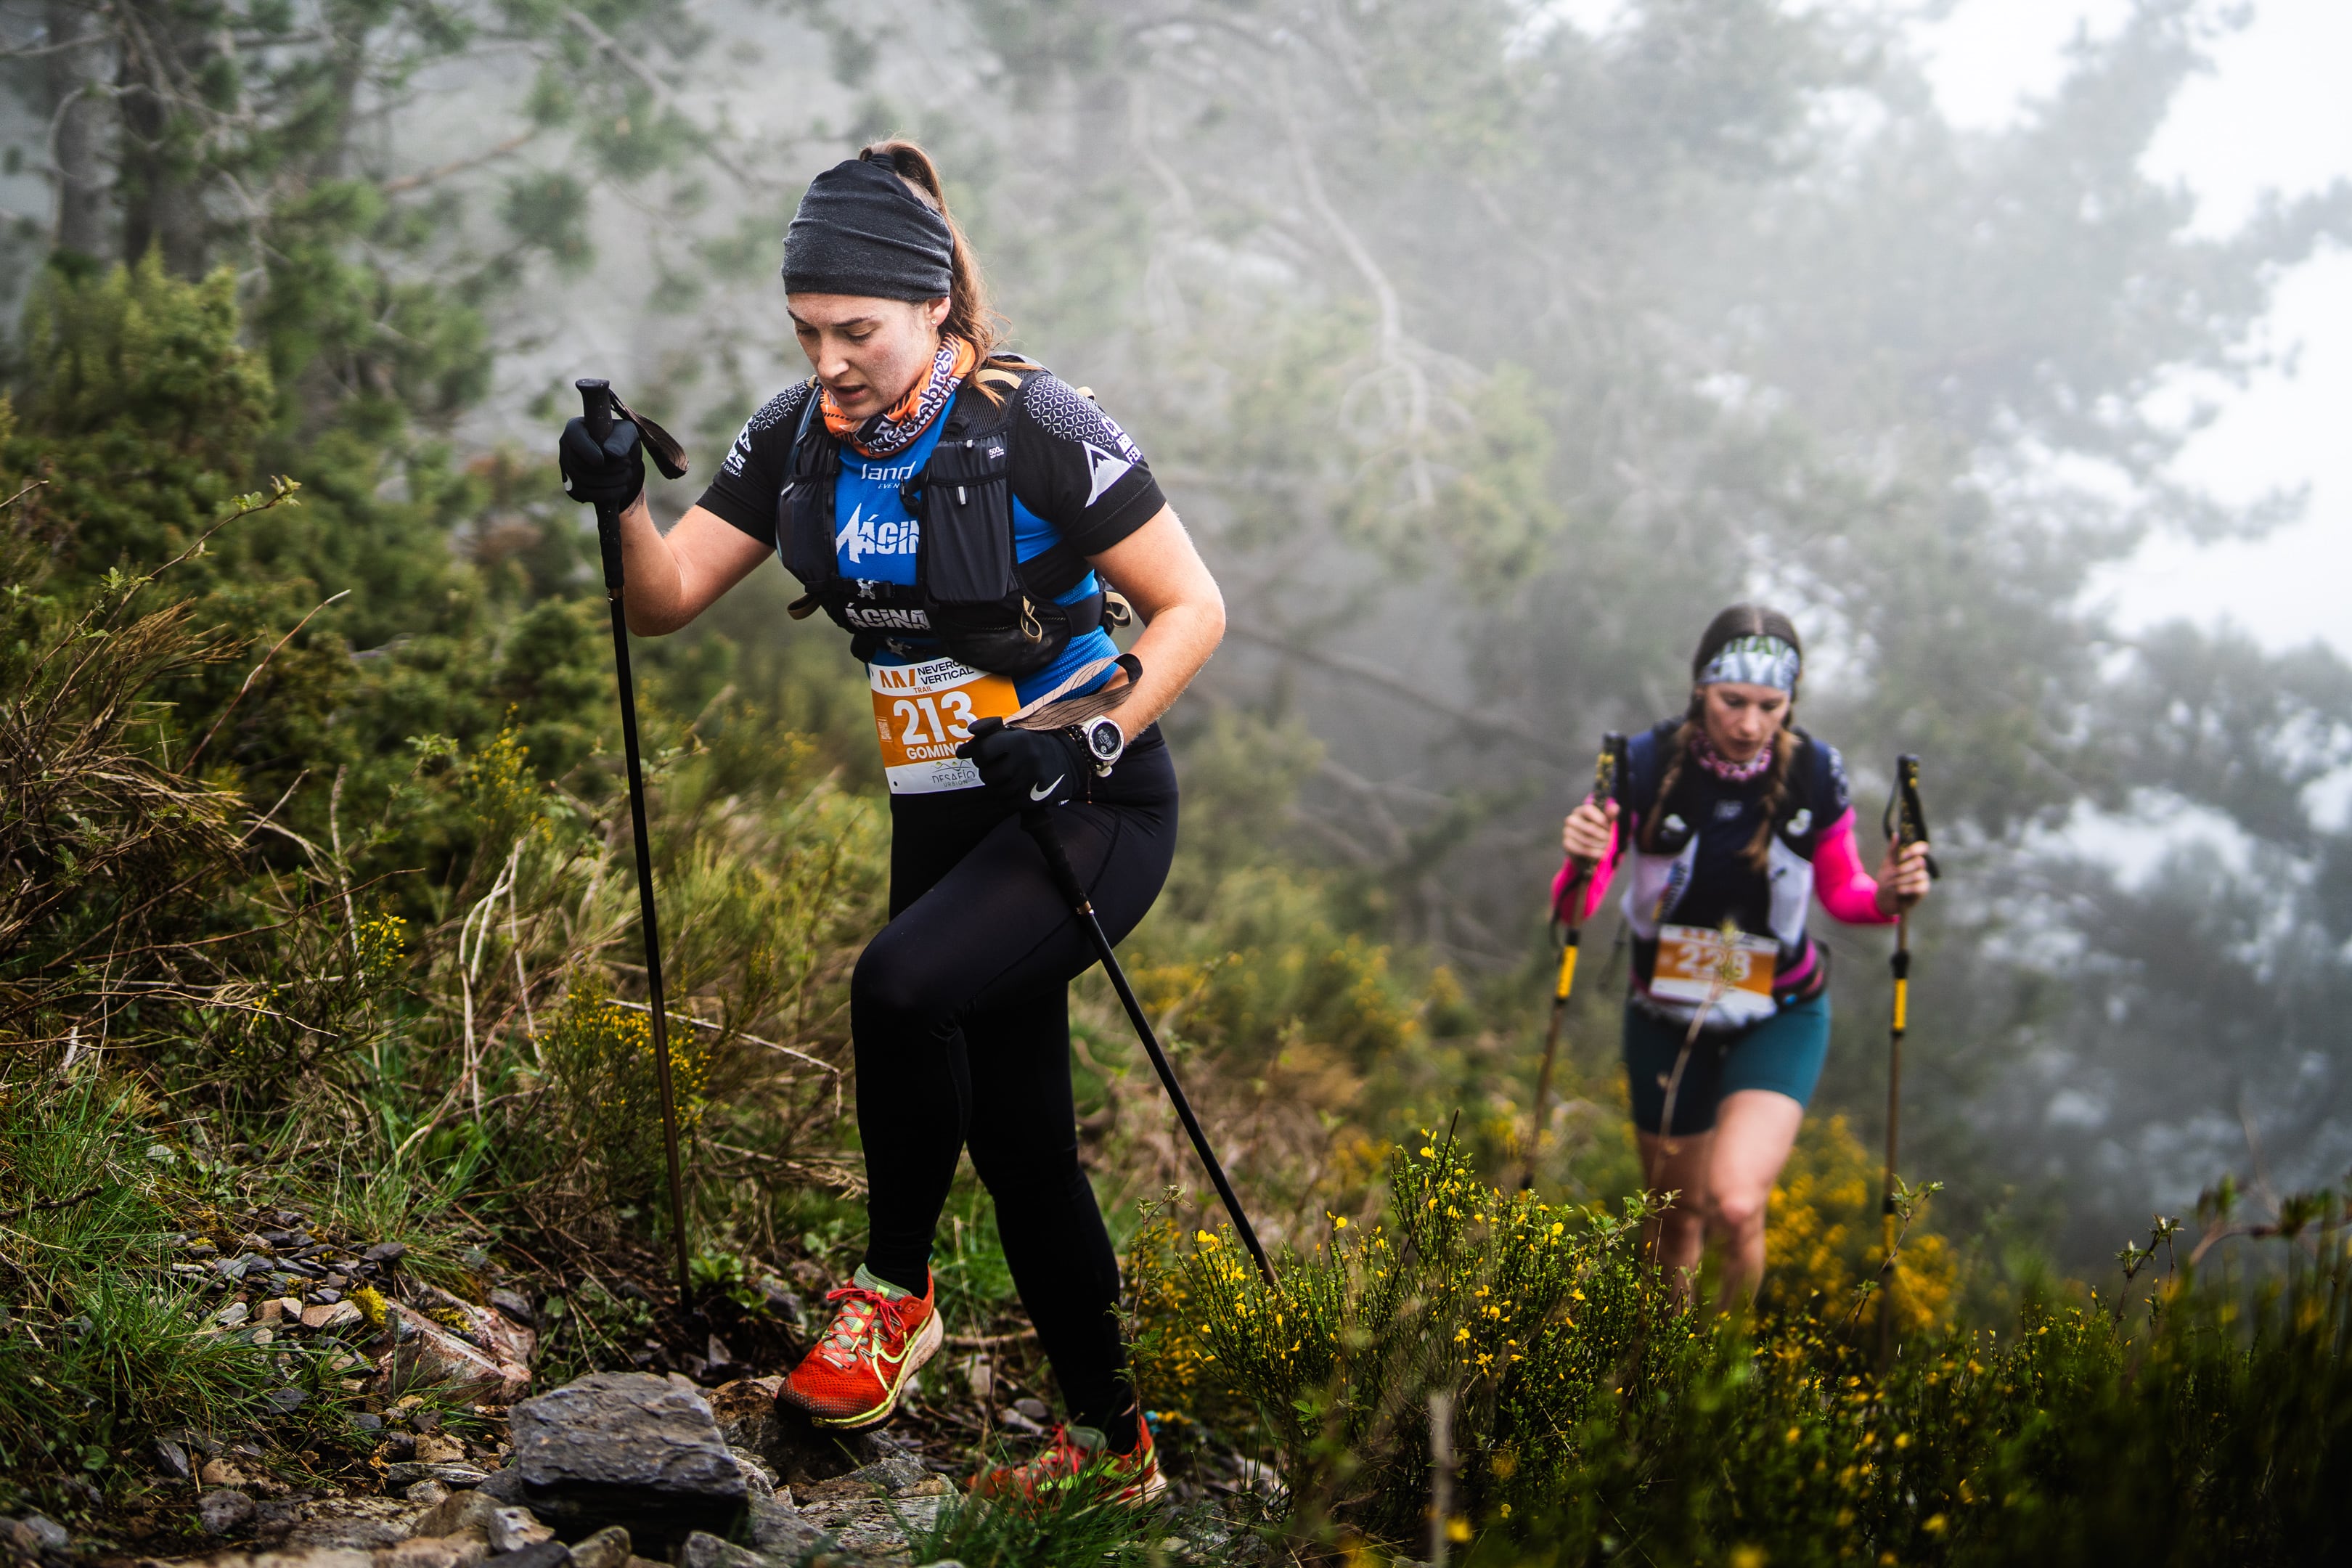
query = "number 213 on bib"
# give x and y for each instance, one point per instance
(922, 712)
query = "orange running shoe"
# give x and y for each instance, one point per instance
(878, 1337)
(1079, 1457)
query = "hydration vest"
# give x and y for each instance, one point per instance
(984, 608)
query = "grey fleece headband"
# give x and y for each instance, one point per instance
(1754, 661)
(859, 230)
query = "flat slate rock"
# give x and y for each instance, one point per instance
(627, 1449)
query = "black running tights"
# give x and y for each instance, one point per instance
(960, 1009)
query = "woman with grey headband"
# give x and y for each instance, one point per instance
(964, 516)
(1738, 819)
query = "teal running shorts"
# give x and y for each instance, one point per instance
(1784, 1054)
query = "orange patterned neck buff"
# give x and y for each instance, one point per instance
(896, 428)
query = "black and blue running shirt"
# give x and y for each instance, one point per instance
(1076, 477)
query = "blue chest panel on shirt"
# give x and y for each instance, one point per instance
(874, 534)
(875, 537)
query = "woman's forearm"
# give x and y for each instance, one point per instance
(1173, 648)
(669, 579)
(1184, 614)
(650, 585)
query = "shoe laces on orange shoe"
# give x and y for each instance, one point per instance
(865, 1322)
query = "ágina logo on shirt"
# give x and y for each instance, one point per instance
(865, 535)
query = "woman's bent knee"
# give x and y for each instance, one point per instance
(1738, 1212)
(892, 983)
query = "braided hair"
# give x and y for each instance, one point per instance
(1739, 621)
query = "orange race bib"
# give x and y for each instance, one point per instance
(1693, 960)
(923, 712)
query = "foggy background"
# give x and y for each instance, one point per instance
(1489, 349)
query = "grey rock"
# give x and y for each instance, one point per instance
(759, 1477)
(436, 1552)
(460, 1510)
(503, 1486)
(321, 1557)
(514, 1304)
(801, 1451)
(456, 1477)
(364, 1523)
(628, 1449)
(778, 1531)
(897, 1474)
(386, 1252)
(605, 1549)
(46, 1533)
(540, 1554)
(225, 1511)
(174, 1457)
(430, 1493)
(1032, 1408)
(703, 1549)
(515, 1529)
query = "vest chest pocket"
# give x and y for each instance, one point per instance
(979, 604)
(966, 505)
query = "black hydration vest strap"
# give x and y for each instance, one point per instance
(968, 593)
(804, 511)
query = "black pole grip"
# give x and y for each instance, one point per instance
(596, 414)
(595, 404)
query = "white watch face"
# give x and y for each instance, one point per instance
(1104, 739)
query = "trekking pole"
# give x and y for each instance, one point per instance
(1040, 826)
(1607, 769)
(597, 407)
(1905, 822)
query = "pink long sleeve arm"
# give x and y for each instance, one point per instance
(1594, 891)
(1846, 889)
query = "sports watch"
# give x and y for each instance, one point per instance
(1104, 742)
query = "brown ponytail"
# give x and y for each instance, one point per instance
(970, 315)
(1739, 621)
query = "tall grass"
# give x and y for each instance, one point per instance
(98, 1350)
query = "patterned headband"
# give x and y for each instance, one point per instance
(1754, 661)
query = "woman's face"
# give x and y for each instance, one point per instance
(1741, 719)
(868, 352)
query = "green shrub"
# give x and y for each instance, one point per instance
(1591, 1417)
(595, 1128)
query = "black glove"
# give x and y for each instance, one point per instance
(613, 474)
(1027, 767)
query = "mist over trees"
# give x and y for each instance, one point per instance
(1488, 357)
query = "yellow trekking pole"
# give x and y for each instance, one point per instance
(1905, 823)
(1608, 771)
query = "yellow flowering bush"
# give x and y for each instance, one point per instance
(1824, 1235)
(1523, 1312)
(599, 1111)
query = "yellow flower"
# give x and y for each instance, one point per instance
(1204, 1238)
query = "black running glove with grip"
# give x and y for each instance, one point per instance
(610, 473)
(1027, 767)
